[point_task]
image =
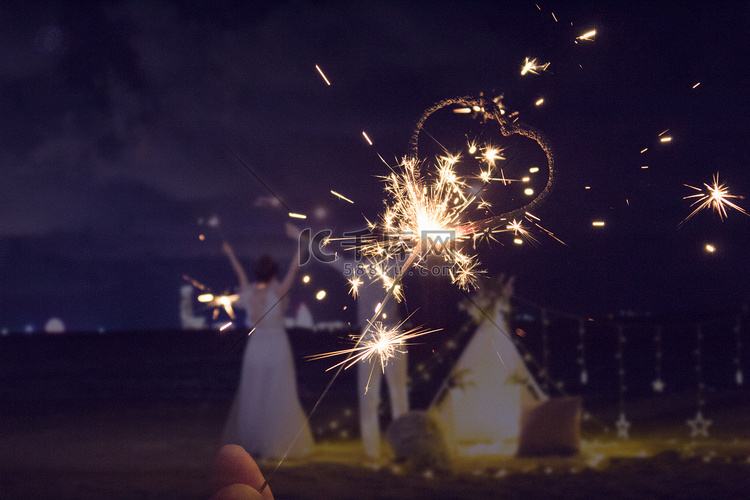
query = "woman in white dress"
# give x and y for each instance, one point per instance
(266, 417)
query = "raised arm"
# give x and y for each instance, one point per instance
(241, 274)
(286, 283)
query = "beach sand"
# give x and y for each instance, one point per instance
(164, 449)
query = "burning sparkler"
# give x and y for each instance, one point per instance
(433, 207)
(213, 301)
(715, 196)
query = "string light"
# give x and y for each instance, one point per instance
(545, 351)
(622, 423)
(658, 383)
(582, 352)
(699, 425)
(738, 377)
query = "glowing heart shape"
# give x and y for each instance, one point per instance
(501, 163)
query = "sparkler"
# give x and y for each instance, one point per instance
(715, 196)
(433, 208)
(432, 215)
(212, 301)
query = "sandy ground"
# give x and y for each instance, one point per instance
(163, 450)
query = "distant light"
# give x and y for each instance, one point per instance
(534, 170)
(54, 325)
(201, 237)
(598, 223)
(665, 139)
(587, 187)
(206, 297)
(539, 102)
(528, 191)
(5, 331)
(710, 248)
(306, 279)
(644, 150)
(28, 328)
(297, 216)
(321, 213)
(518, 241)
(526, 179)
(364, 134)
(644, 166)
(225, 326)
(320, 295)
(472, 149)
(694, 86)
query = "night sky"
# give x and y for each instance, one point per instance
(121, 124)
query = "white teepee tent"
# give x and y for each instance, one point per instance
(479, 406)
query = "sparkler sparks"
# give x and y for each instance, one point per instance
(531, 66)
(322, 74)
(380, 341)
(367, 138)
(715, 196)
(588, 36)
(212, 301)
(339, 195)
(431, 210)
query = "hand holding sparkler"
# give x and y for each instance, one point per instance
(236, 476)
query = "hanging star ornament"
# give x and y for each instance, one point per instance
(622, 426)
(658, 385)
(699, 425)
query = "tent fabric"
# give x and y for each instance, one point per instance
(480, 412)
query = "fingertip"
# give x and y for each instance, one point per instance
(234, 465)
(237, 492)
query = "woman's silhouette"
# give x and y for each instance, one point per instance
(266, 415)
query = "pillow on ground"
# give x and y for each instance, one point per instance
(552, 427)
(415, 438)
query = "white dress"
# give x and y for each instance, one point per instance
(267, 418)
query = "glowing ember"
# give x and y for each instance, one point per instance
(322, 74)
(531, 66)
(382, 341)
(715, 196)
(589, 36)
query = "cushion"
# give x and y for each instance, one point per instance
(552, 427)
